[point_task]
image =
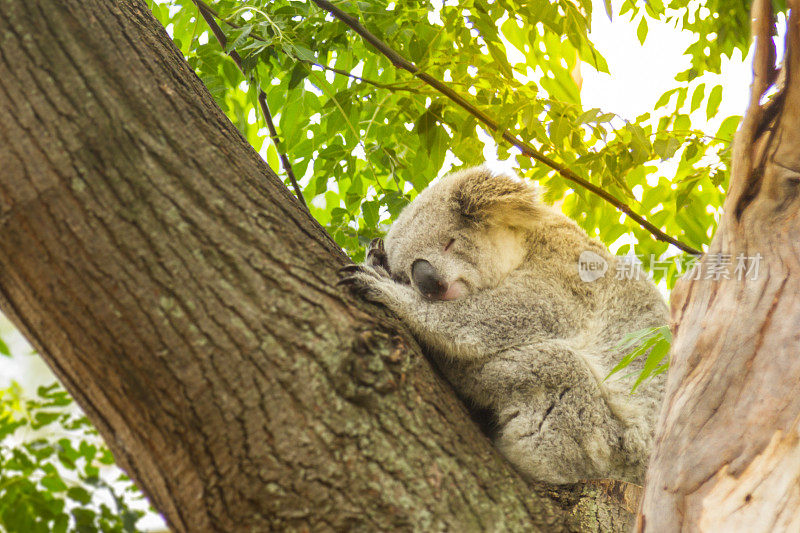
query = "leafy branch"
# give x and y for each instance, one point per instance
(528, 150)
(209, 15)
(233, 24)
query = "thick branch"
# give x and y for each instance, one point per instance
(185, 299)
(726, 455)
(526, 148)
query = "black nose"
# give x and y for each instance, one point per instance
(427, 279)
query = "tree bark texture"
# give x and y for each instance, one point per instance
(727, 452)
(186, 300)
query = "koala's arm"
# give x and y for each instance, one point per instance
(476, 326)
(556, 422)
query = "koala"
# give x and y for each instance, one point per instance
(486, 277)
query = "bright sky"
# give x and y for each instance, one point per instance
(640, 74)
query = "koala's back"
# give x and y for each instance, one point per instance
(556, 339)
(557, 417)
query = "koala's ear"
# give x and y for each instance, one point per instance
(496, 199)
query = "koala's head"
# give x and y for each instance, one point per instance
(463, 234)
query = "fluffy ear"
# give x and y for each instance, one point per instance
(495, 199)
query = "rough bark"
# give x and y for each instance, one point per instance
(727, 455)
(186, 301)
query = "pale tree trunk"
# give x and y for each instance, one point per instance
(186, 300)
(727, 452)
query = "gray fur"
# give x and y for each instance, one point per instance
(524, 336)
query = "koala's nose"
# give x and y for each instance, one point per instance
(427, 280)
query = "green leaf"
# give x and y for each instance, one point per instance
(299, 73)
(4, 348)
(370, 212)
(666, 148)
(697, 96)
(61, 523)
(728, 127)
(239, 37)
(640, 143)
(272, 157)
(44, 418)
(609, 12)
(559, 130)
(53, 483)
(655, 342)
(303, 53)
(714, 99)
(658, 353)
(690, 152)
(664, 98)
(84, 519)
(79, 494)
(641, 30)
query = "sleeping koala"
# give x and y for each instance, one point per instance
(487, 278)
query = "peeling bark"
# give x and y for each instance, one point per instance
(185, 299)
(727, 455)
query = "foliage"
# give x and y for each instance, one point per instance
(54, 469)
(653, 344)
(369, 137)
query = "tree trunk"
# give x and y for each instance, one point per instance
(186, 300)
(727, 455)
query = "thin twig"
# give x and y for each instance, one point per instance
(527, 150)
(257, 37)
(209, 15)
(380, 85)
(273, 133)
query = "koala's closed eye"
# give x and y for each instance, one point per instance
(449, 244)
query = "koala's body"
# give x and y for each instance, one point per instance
(487, 278)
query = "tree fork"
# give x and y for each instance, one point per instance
(185, 299)
(727, 455)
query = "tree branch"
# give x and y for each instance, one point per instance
(209, 15)
(387, 86)
(727, 433)
(527, 149)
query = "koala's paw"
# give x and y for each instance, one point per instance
(372, 283)
(376, 255)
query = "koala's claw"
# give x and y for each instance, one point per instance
(364, 281)
(361, 285)
(375, 271)
(376, 255)
(350, 280)
(376, 245)
(349, 269)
